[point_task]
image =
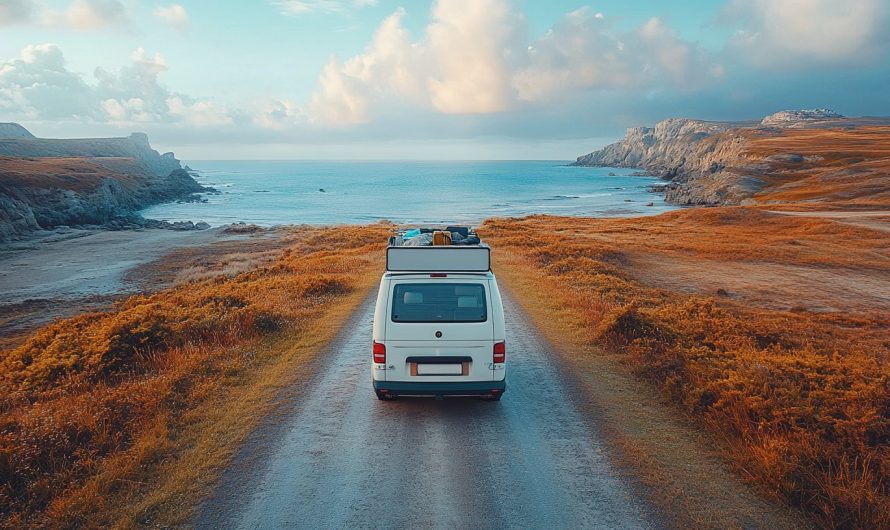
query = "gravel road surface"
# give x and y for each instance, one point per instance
(339, 458)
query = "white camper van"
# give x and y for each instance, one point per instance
(439, 323)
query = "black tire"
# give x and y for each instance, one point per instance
(385, 397)
(492, 397)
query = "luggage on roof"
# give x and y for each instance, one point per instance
(425, 236)
(441, 238)
(464, 231)
(454, 249)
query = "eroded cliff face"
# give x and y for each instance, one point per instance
(706, 163)
(679, 150)
(45, 184)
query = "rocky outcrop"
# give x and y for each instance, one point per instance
(705, 163)
(797, 118)
(46, 184)
(643, 147)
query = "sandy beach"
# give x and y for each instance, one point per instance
(67, 272)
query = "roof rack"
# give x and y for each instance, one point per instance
(448, 249)
(435, 236)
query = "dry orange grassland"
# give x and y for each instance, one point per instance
(122, 417)
(843, 168)
(76, 174)
(798, 394)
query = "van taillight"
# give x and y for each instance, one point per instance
(379, 353)
(500, 352)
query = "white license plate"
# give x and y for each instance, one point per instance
(439, 369)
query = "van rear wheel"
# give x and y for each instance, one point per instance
(492, 397)
(384, 397)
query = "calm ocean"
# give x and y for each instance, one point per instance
(285, 192)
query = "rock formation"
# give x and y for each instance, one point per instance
(796, 118)
(85, 182)
(706, 163)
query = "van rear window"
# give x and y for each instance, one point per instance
(439, 302)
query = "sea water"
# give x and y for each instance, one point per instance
(321, 192)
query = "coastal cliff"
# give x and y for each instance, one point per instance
(728, 163)
(17, 142)
(50, 183)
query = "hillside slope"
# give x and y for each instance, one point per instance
(135, 146)
(14, 130)
(791, 156)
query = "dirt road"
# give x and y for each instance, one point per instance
(339, 458)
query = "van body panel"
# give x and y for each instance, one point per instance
(399, 367)
(378, 371)
(499, 327)
(463, 349)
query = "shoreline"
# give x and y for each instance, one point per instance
(65, 273)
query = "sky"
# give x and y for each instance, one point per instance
(440, 79)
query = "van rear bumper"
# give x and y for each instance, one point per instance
(464, 388)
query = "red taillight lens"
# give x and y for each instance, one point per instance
(500, 352)
(379, 353)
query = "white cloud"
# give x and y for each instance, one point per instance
(38, 85)
(302, 7)
(197, 113)
(133, 94)
(476, 58)
(341, 99)
(127, 111)
(389, 65)
(327, 7)
(472, 43)
(583, 52)
(174, 16)
(16, 11)
(89, 15)
(782, 32)
(461, 66)
(279, 115)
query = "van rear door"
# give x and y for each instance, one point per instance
(439, 330)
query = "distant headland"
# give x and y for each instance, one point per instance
(792, 155)
(47, 184)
